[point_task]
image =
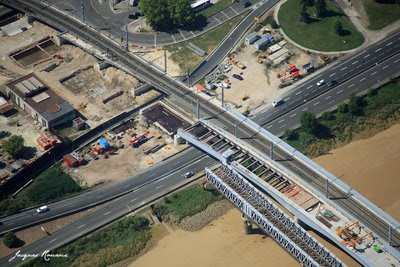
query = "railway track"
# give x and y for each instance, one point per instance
(163, 82)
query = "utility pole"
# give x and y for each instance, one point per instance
(236, 126)
(222, 100)
(127, 43)
(198, 109)
(327, 189)
(83, 11)
(165, 60)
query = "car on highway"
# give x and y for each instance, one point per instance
(42, 209)
(247, 4)
(277, 102)
(321, 82)
(237, 76)
(331, 83)
(3, 134)
(188, 174)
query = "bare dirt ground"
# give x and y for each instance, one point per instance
(157, 57)
(260, 83)
(35, 233)
(127, 161)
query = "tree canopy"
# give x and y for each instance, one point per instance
(309, 122)
(14, 145)
(161, 14)
(10, 240)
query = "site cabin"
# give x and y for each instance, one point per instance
(199, 88)
(73, 160)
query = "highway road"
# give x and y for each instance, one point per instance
(95, 197)
(132, 201)
(376, 224)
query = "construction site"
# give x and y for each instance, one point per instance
(267, 64)
(128, 148)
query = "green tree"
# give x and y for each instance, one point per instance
(338, 27)
(320, 6)
(355, 104)
(10, 240)
(304, 16)
(291, 134)
(307, 2)
(156, 12)
(180, 12)
(343, 108)
(309, 122)
(14, 145)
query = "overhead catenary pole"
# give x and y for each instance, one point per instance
(165, 60)
(127, 43)
(198, 109)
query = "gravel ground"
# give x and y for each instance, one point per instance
(201, 219)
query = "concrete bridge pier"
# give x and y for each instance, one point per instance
(247, 225)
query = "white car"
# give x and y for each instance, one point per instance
(321, 82)
(277, 102)
(42, 209)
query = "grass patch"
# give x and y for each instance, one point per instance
(119, 241)
(381, 14)
(65, 131)
(187, 59)
(375, 112)
(215, 8)
(320, 33)
(51, 185)
(187, 203)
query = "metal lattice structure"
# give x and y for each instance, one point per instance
(289, 234)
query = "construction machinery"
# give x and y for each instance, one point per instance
(139, 139)
(350, 237)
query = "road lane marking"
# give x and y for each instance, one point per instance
(299, 92)
(397, 61)
(134, 199)
(79, 227)
(343, 68)
(173, 37)
(326, 98)
(287, 99)
(215, 17)
(183, 36)
(108, 212)
(379, 49)
(389, 43)
(331, 102)
(281, 121)
(225, 14)
(374, 73)
(355, 62)
(237, 13)
(304, 109)
(362, 79)
(316, 103)
(314, 90)
(53, 240)
(283, 126)
(385, 67)
(310, 86)
(263, 111)
(158, 187)
(293, 115)
(367, 56)
(339, 91)
(269, 126)
(351, 85)
(332, 74)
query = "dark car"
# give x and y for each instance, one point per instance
(331, 83)
(237, 76)
(133, 16)
(3, 134)
(247, 4)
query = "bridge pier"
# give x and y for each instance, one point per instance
(247, 225)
